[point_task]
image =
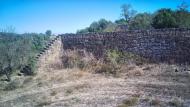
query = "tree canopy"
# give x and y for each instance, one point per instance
(98, 26)
(162, 18)
(48, 33)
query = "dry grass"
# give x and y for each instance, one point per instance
(176, 102)
(135, 71)
(79, 74)
(129, 102)
(76, 59)
(43, 101)
(81, 82)
(155, 102)
(53, 93)
(86, 62)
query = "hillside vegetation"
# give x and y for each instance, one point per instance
(19, 50)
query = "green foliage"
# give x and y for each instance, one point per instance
(167, 18)
(111, 63)
(18, 50)
(48, 33)
(32, 66)
(164, 18)
(117, 57)
(141, 21)
(83, 30)
(182, 17)
(110, 27)
(98, 26)
(113, 56)
(121, 22)
(127, 12)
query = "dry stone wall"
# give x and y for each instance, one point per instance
(169, 45)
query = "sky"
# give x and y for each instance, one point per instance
(67, 16)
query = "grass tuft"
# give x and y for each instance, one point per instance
(129, 102)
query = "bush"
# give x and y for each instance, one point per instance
(119, 57)
(18, 50)
(77, 59)
(109, 64)
(71, 59)
(30, 68)
(113, 56)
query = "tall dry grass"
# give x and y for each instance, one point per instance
(111, 64)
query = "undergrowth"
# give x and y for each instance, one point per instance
(110, 64)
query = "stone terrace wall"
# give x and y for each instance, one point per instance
(158, 45)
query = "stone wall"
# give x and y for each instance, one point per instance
(157, 45)
(51, 53)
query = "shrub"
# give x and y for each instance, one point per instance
(113, 56)
(77, 59)
(71, 59)
(120, 57)
(30, 68)
(107, 68)
(110, 64)
(87, 62)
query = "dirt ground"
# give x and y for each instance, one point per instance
(148, 85)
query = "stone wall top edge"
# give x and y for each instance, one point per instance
(150, 32)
